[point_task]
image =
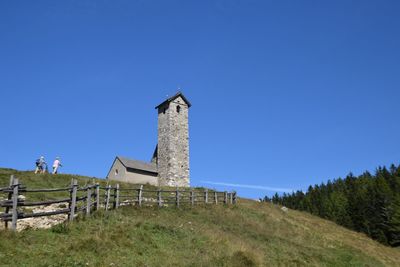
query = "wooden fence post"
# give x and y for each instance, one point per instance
(231, 197)
(159, 200)
(116, 201)
(215, 197)
(140, 192)
(88, 200)
(108, 189)
(192, 197)
(97, 196)
(73, 199)
(72, 207)
(177, 197)
(11, 180)
(9, 198)
(225, 197)
(205, 196)
(14, 204)
(70, 199)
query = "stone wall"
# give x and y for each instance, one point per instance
(117, 171)
(173, 143)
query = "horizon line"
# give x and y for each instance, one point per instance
(261, 187)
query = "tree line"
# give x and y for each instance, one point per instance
(366, 203)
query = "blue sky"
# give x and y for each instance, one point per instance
(285, 93)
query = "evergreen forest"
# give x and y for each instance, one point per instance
(369, 203)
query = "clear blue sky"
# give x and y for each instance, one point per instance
(285, 93)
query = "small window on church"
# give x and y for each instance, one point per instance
(116, 172)
(178, 109)
(164, 109)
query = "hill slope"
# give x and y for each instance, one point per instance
(249, 234)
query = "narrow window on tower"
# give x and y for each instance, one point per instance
(178, 108)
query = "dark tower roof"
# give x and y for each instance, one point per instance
(172, 98)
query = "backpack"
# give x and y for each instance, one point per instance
(37, 162)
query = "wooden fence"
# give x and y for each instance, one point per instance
(94, 197)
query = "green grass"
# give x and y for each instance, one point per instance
(248, 234)
(31, 181)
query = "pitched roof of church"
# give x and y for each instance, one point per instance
(172, 98)
(138, 165)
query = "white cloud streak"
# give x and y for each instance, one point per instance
(259, 187)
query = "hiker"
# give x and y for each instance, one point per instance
(40, 164)
(56, 165)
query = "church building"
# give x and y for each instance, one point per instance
(170, 163)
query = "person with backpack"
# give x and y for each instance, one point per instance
(40, 164)
(56, 165)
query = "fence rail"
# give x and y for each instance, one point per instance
(88, 198)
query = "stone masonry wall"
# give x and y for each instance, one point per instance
(173, 144)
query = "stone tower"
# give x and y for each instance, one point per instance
(172, 152)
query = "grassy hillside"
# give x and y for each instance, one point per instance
(31, 180)
(249, 234)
